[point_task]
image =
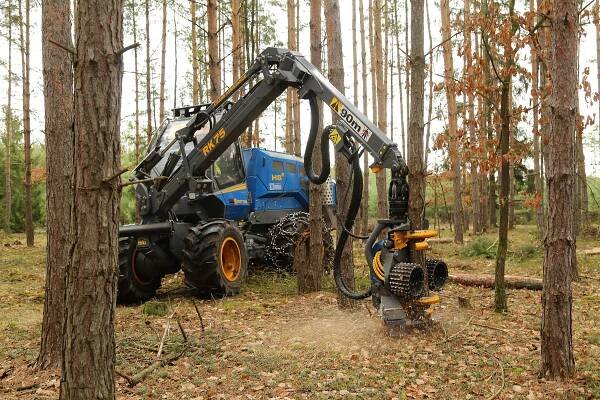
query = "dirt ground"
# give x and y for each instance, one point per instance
(270, 343)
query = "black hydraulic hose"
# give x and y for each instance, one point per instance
(310, 145)
(357, 186)
(372, 239)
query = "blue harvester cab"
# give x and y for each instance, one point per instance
(275, 186)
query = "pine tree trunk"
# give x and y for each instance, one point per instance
(335, 65)
(354, 56)
(511, 169)
(8, 132)
(58, 115)
(297, 118)
(400, 91)
(235, 42)
(500, 290)
(290, 140)
(364, 228)
(452, 122)
(175, 62)
(597, 24)
(148, 78)
(539, 211)
(24, 45)
(557, 298)
(194, 51)
(407, 64)
(137, 90)
(380, 177)
(374, 99)
(416, 166)
(162, 62)
(88, 365)
(213, 50)
(430, 97)
(471, 124)
(309, 277)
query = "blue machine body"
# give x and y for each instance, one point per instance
(275, 185)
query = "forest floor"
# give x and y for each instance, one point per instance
(271, 343)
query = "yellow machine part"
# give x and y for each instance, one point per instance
(378, 266)
(401, 239)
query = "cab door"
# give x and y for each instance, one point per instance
(229, 179)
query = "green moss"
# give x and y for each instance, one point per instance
(156, 308)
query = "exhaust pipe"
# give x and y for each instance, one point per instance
(144, 229)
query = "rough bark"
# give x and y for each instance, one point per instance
(539, 210)
(309, 274)
(500, 290)
(88, 365)
(430, 97)
(137, 88)
(194, 51)
(335, 59)
(354, 56)
(557, 359)
(416, 165)
(162, 62)
(380, 177)
(58, 115)
(289, 105)
(8, 129)
(235, 42)
(363, 61)
(24, 45)
(214, 68)
(453, 138)
(148, 78)
(471, 125)
(407, 64)
(399, 71)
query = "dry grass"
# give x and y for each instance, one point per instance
(270, 342)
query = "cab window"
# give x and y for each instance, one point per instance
(277, 167)
(227, 169)
(290, 168)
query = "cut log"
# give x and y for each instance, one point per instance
(487, 281)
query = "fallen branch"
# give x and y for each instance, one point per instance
(489, 327)
(487, 281)
(140, 376)
(183, 334)
(199, 315)
(164, 336)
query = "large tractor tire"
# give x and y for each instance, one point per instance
(215, 260)
(285, 235)
(132, 288)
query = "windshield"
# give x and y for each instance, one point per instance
(167, 135)
(227, 170)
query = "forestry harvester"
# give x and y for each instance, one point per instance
(200, 211)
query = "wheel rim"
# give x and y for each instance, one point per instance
(231, 259)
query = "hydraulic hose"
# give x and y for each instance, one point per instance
(315, 121)
(357, 186)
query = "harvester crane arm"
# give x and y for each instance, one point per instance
(274, 71)
(277, 69)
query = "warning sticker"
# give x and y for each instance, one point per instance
(350, 119)
(335, 137)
